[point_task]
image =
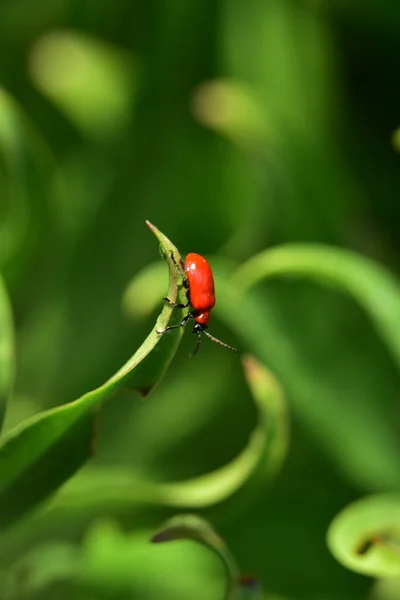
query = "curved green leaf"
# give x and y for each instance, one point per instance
(116, 561)
(368, 282)
(365, 536)
(191, 527)
(15, 218)
(26, 166)
(41, 453)
(387, 588)
(7, 358)
(259, 461)
(255, 320)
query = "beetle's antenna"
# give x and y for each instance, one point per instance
(198, 344)
(214, 339)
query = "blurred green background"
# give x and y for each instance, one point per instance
(233, 126)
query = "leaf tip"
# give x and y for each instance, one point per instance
(250, 365)
(159, 537)
(169, 533)
(150, 225)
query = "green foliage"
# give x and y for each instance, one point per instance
(41, 453)
(190, 527)
(263, 135)
(365, 536)
(7, 358)
(261, 459)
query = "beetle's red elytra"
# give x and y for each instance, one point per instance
(201, 287)
(199, 282)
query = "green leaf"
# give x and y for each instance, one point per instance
(234, 110)
(369, 283)
(365, 536)
(255, 320)
(258, 462)
(7, 357)
(191, 527)
(96, 94)
(41, 567)
(387, 588)
(41, 453)
(26, 168)
(117, 563)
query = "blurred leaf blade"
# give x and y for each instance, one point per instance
(15, 221)
(95, 94)
(365, 536)
(265, 386)
(7, 351)
(261, 458)
(192, 527)
(114, 558)
(235, 111)
(25, 168)
(258, 463)
(254, 320)
(44, 451)
(368, 282)
(377, 291)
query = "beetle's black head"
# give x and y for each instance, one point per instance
(199, 327)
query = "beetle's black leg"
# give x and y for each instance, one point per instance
(181, 324)
(174, 304)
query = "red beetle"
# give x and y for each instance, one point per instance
(201, 297)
